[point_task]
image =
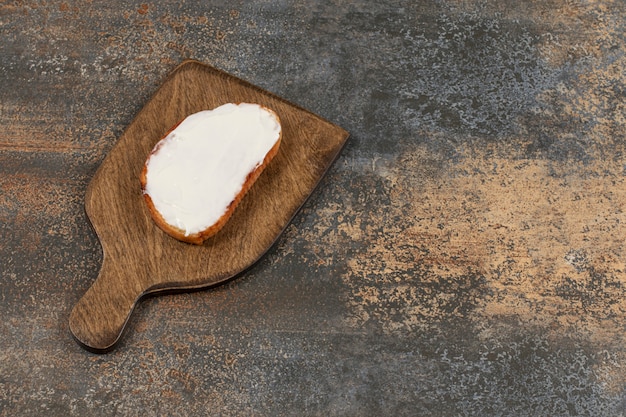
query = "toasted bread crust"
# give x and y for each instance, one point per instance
(199, 237)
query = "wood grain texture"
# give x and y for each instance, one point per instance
(139, 258)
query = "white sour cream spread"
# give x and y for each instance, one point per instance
(195, 172)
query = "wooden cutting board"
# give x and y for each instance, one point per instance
(140, 259)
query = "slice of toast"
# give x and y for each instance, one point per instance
(197, 174)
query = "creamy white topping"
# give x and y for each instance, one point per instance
(196, 171)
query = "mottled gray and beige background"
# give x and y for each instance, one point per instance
(465, 255)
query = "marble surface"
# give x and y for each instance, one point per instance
(464, 256)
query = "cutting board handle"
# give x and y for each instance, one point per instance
(99, 317)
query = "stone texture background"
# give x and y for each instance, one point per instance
(464, 256)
